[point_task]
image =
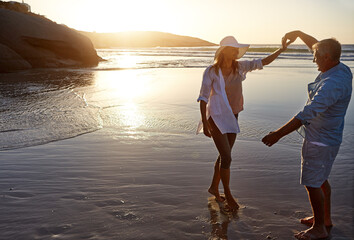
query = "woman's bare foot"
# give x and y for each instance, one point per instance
(228, 209)
(232, 204)
(309, 221)
(218, 198)
(312, 233)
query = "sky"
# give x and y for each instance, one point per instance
(250, 21)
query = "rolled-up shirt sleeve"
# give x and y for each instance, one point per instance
(248, 66)
(206, 86)
(326, 96)
(255, 64)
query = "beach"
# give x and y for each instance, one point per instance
(128, 164)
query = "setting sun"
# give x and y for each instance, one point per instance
(118, 16)
(209, 20)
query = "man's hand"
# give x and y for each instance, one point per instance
(275, 136)
(289, 38)
(271, 139)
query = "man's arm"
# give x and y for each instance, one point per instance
(292, 36)
(275, 136)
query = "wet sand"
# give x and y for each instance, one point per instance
(94, 187)
(122, 182)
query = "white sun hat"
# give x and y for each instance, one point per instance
(230, 41)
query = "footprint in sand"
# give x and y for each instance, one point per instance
(19, 194)
(55, 230)
(109, 203)
(78, 197)
(124, 215)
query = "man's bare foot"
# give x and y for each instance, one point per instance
(309, 221)
(312, 234)
(218, 198)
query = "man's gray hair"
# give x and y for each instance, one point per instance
(330, 46)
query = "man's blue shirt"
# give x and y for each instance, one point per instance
(324, 112)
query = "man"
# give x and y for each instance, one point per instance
(321, 122)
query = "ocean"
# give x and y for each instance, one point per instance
(44, 105)
(198, 56)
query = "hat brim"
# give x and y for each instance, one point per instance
(242, 49)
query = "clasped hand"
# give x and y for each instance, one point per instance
(288, 39)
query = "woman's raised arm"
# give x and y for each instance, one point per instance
(267, 60)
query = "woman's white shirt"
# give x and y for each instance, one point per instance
(214, 94)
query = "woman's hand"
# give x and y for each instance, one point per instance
(206, 125)
(206, 129)
(284, 46)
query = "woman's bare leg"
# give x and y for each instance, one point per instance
(214, 186)
(224, 145)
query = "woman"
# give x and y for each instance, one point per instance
(220, 102)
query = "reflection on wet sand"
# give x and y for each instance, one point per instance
(36, 82)
(41, 106)
(219, 219)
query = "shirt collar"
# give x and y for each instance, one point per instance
(328, 72)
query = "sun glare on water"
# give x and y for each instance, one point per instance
(123, 92)
(126, 60)
(124, 85)
(132, 117)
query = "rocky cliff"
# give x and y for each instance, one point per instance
(30, 41)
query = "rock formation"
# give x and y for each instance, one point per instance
(28, 41)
